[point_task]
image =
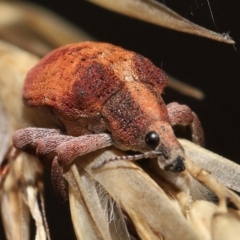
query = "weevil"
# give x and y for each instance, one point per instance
(103, 95)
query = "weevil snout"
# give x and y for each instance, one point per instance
(177, 165)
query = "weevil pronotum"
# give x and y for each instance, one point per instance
(103, 95)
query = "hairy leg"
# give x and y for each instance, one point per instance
(183, 115)
(68, 151)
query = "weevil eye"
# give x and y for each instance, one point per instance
(152, 139)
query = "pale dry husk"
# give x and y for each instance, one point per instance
(103, 201)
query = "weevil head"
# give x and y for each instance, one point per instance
(138, 120)
(163, 140)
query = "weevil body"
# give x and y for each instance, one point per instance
(104, 95)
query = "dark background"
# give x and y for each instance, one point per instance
(211, 66)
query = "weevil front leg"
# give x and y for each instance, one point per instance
(27, 138)
(40, 142)
(183, 115)
(67, 148)
(43, 142)
(67, 151)
(78, 146)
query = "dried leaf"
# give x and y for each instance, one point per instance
(156, 13)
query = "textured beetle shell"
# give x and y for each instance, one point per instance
(118, 89)
(78, 79)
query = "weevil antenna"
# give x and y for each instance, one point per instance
(150, 154)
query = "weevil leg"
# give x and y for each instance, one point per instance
(28, 137)
(68, 151)
(41, 142)
(183, 115)
(59, 183)
(48, 144)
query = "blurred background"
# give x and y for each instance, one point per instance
(211, 66)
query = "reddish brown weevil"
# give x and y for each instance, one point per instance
(103, 95)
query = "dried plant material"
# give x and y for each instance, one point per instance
(93, 213)
(22, 182)
(14, 64)
(139, 196)
(4, 137)
(43, 29)
(199, 215)
(185, 88)
(19, 197)
(221, 192)
(156, 13)
(85, 225)
(225, 171)
(92, 222)
(14, 212)
(122, 180)
(225, 224)
(31, 176)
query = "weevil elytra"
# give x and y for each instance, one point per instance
(103, 95)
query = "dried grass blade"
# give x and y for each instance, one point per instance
(19, 197)
(224, 170)
(88, 218)
(32, 202)
(185, 88)
(15, 212)
(89, 205)
(15, 215)
(28, 174)
(156, 13)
